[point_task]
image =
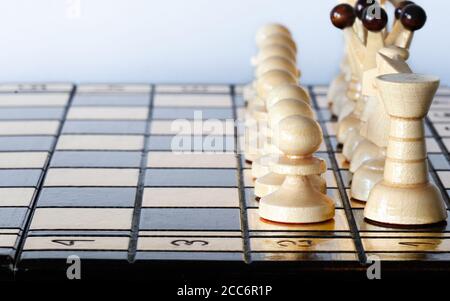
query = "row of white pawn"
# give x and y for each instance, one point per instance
(282, 135)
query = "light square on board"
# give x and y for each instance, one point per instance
(322, 101)
(186, 127)
(82, 219)
(76, 243)
(192, 89)
(104, 127)
(444, 176)
(226, 219)
(191, 143)
(95, 159)
(302, 244)
(10, 128)
(241, 113)
(184, 233)
(339, 223)
(331, 128)
(91, 177)
(191, 160)
(31, 113)
(114, 88)
(33, 99)
(36, 87)
(190, 244)
(189, 256)
(405, 257)
(8, 240)
(432, 146)
(440, 102)
(107, 113)
(23, 159)
(87, 197)
(190, 197)
(100, 142)
(16, 197)
(406, 244)
(239, 89)
(192, 100)
(304, 256)
(191, 177)
(439, 115)
(443, 129)
(82, 254)
(444, 90)
(446, 143)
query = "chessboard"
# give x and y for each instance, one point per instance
(89, 171)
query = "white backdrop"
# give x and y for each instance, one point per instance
(181, 40)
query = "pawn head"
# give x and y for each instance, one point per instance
(276, 63)
(272, 79)
(298, 136)
(293, 91)
(288, 107)
(270, 29)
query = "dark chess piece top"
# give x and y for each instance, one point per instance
(413, 17)
(374, 18)
(343, 16)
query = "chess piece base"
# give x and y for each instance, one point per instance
(261, 166)
(271, 182)
(346, 108)
(349, 123)
(365, 151)
(418, 205)
(365, 178)
(296, 202)
(350, 145)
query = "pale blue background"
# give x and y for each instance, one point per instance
(181, 40)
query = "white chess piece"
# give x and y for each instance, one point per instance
(297, 201)
(405, 196)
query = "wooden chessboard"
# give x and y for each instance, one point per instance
(89, 171)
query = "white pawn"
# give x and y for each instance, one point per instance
(279, 39)
(276, 63)
(256, 132)
(270, 29)
(271, 181)
(297, 201)
(260, 166)
(267, 36)
(274, 50)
